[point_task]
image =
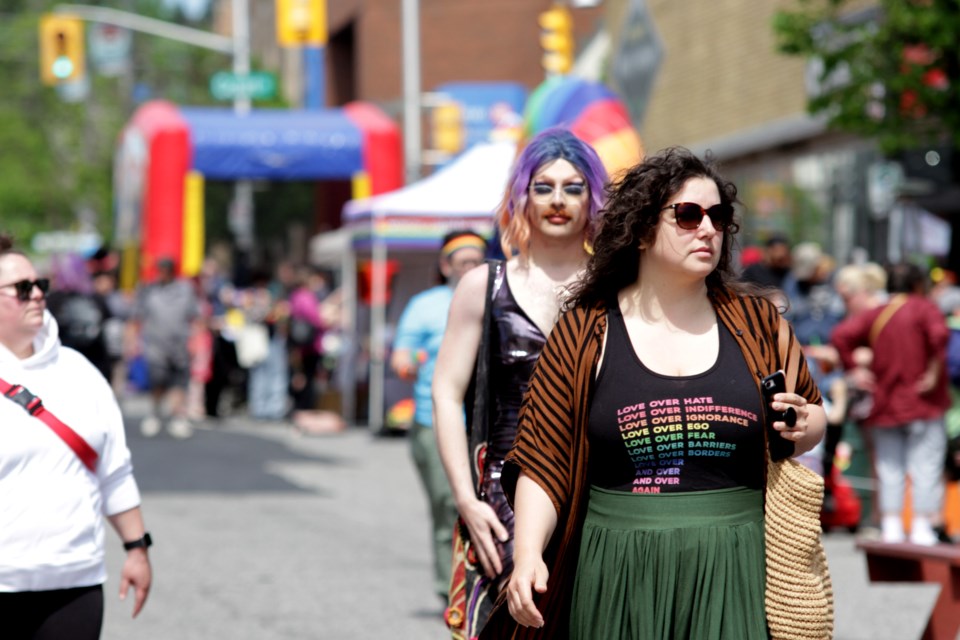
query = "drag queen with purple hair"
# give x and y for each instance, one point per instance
(547, 220)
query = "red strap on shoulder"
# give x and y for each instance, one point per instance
(34, 406)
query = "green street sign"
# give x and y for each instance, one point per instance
(258, 85)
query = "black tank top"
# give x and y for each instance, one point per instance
(651, 433)
(516, 343)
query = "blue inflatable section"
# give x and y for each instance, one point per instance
(274, 144)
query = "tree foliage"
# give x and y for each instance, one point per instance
(888, 70)
(57, 160)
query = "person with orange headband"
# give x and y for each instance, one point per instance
(547, 220)
(415, 347)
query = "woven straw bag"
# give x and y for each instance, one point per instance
(799, 594)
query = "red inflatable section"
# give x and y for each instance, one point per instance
(168, 144)
(382, 147)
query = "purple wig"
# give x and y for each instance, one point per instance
(549, 145)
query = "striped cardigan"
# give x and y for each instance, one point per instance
(551, 445)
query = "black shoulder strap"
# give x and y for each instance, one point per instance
(478, 393)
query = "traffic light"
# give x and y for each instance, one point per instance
(61, 49)
(556, 39)
(447, 127)
(301, 23)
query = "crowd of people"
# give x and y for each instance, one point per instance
(877, 339)
(589, 428)
(187, 341)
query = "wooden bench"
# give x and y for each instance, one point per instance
(913, 563)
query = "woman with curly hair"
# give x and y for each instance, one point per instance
(548, 217)
(637, 474)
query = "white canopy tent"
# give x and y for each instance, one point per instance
(464, 194)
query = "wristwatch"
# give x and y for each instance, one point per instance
(144, 542)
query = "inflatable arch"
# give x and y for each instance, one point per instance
(165, 152)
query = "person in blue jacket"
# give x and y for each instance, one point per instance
(417, 341)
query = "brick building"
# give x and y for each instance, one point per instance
(461, 40)
(722, 86)
(716, 83)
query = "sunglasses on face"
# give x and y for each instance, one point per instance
(25, 287)
(690, 215)
(544, 192)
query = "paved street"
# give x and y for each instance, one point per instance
(261, 534)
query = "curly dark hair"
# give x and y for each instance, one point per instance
(631, 216)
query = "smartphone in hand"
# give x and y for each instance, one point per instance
(771, 385)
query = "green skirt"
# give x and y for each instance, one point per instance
(671, 565)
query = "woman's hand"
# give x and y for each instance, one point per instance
(483, 524)
(783, 402)
(536, 520)
(529, 574)
(808, 428)
(137, 575)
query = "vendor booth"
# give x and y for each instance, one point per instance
(166, 151)
(463, 194)
(401, 232)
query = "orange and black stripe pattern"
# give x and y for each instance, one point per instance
(551, 445)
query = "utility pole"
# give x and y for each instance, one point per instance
(410, 23)
(302, 24)
(241, 52)
(243, 213)
(411, 89)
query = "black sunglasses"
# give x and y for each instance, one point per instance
(25, 287)
(690, 215)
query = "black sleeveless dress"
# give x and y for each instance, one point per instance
(515, 344)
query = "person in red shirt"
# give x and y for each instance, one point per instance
(908, 336)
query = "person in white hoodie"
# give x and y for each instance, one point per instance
(52, 501)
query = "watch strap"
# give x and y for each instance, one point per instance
(141, 543)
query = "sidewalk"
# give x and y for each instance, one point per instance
(866, 611)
